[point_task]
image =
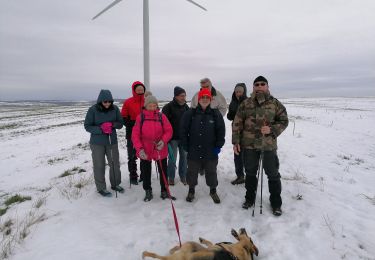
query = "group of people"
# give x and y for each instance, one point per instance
(196, 134)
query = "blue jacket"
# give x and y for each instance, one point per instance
(201, 132)
(97, 114)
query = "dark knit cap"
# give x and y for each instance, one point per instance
(260, 78)
(178, 90)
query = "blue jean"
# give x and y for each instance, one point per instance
(182, 164)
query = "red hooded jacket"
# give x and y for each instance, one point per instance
(132, 107)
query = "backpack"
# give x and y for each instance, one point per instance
(160, 119)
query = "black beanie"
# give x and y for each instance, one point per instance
(178, 90)
(260, 78)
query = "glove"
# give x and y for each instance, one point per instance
(216, 150)
(106, 127)
(142, 155)
(160, 145)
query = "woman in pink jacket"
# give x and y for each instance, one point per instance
(151, 134)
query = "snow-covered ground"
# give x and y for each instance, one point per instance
(327, 160)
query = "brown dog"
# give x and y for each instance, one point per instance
(242, 250)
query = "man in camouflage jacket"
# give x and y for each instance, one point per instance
(260, 119)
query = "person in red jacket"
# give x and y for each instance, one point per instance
(131, 108)
(151, 134)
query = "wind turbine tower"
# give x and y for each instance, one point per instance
(146, 36)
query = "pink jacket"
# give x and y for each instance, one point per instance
(152, 132)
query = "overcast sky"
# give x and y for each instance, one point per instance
(52, 49)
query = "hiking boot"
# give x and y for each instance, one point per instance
(183, 180)
(164, 195)
(247, 204)
(238, 180)
(105, 193)
(148, 196)
(171, 182)
(133, 182)
(118, 188)
(190, 196)
(214, 196)
(277, 211)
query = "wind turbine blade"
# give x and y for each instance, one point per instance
(194, 3)
(108, 7)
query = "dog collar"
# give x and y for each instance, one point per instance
(232, 256)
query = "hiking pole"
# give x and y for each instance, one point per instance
(256, 190)
(261, 174)
(261, 180)
(112, 163)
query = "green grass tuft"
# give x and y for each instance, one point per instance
(16, 199)
(3, 211)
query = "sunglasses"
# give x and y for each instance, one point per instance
(106, 102)
(259, 84)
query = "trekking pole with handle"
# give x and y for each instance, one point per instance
(261, 180)
(112, 162)
(258, 173)
(261, 174)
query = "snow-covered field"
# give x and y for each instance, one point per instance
(327, 160)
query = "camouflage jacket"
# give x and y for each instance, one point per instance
(255, 112)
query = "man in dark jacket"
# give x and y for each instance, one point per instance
(259, 120)
(202, 135)
(174, 111)
(131, 108)
(239, 95)
(102, 120)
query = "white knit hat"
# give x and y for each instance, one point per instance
(150, 100)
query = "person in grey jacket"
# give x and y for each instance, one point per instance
(102, 120)
(218, 100)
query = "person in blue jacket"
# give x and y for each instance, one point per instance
(102, 120)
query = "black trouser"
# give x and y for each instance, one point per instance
(209, 167)
(146, 173)
(238, 164)
(271, 168)
(132, 159)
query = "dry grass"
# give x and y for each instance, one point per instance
(15, 232)
(72, 186)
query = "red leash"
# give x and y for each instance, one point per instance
(170, 198)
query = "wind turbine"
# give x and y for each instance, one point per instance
(146, 36)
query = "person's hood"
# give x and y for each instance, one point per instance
(104, 95)
(244, 93)
(137, 83)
